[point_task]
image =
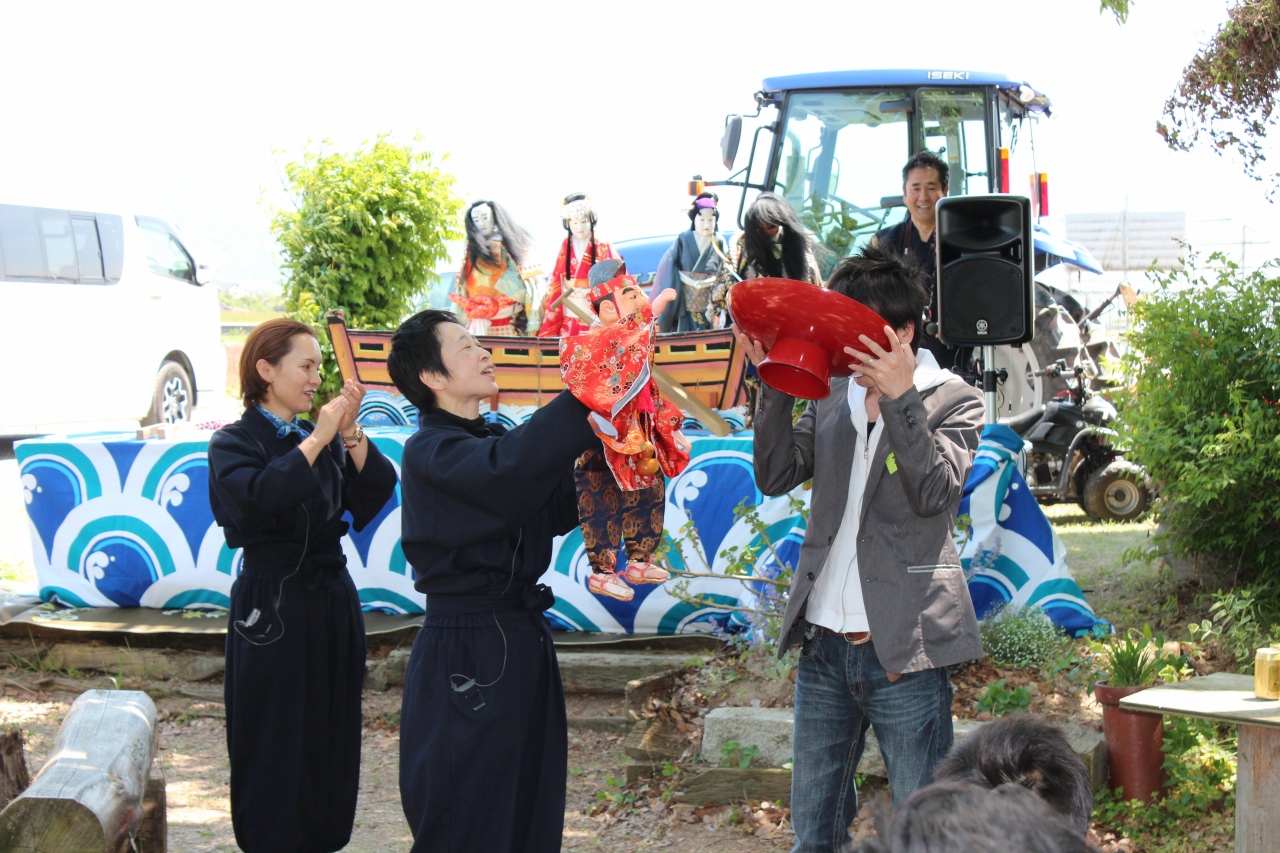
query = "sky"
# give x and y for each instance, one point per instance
(191, 110)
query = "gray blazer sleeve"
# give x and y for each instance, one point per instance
(934, 453)
(782, 453)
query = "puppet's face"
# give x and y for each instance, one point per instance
(704, 224)
(629, 300)
(482, 219)
(772, 231)
(624, 302)
(580, 226)
(292, 384)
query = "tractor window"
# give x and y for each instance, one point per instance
(955, 128)
(842, 152)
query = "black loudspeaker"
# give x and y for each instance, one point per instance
(985, 274)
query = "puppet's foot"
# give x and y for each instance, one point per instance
(642, 572)
(608, 583)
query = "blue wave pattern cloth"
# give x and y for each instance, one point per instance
(1010, 551)
(126, 523)
(119, 522)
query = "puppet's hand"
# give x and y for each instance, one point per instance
(682, 442)
(663, 300)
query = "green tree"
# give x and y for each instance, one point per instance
(1227, 94)
(1203, 414)
(365, 234)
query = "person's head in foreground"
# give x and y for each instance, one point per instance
(958, 817)
(1027, 751)
(889, 286)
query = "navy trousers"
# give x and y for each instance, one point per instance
(483, 766)
(292, 688)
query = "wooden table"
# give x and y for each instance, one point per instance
(1229, 698)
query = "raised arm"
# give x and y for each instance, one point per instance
(251, 491)
(934, 454)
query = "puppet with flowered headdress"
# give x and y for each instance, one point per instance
(579, 251)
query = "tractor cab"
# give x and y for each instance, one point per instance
(833, 143)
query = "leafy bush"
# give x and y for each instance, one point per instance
(1022, 636)
(1242, 620)
(1203, 414)
(364, 235)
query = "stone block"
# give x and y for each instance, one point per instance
(397, 662)
(767, 729)
(1089, 744)
(375, 675)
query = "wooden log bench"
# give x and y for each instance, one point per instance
(96, 792)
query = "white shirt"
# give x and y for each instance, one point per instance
(836, 602)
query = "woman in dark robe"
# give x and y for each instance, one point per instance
(483, 751)
(295, 634)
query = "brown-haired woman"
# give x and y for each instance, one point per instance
(295, 634)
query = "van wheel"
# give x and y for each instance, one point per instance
(1118, 491)
(173, 396)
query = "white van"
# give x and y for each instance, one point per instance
(107, 321)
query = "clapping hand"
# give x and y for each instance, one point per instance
(353, 393)
(333, 415)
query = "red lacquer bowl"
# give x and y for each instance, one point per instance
(804, 329)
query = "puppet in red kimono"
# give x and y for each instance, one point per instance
(579, 251)
(621, 486)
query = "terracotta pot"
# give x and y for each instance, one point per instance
(1133, 741)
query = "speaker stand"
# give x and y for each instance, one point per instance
(989, 378)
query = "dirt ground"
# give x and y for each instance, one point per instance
(194, 756)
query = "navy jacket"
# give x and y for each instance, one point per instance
(258, 486)
(481, 504)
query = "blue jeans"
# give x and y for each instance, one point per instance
(841, 689)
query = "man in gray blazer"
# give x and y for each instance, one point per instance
(878, 601)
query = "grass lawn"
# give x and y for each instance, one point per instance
(1127, 593)
(236, 316)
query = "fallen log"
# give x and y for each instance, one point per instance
(88, 797)
(13, 767)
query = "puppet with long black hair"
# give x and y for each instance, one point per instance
(773, 244)
(496, 289)
(580, 250)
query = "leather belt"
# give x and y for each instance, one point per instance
(857, 638)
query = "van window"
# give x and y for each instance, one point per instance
(20, 237)
(45, 244)
(59, 244)
(88, 251)
(111, 238)
(165, 255)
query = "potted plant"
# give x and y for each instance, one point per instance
(1134, 758)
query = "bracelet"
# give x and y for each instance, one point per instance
(349, 441)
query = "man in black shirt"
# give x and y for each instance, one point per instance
(924, 181)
